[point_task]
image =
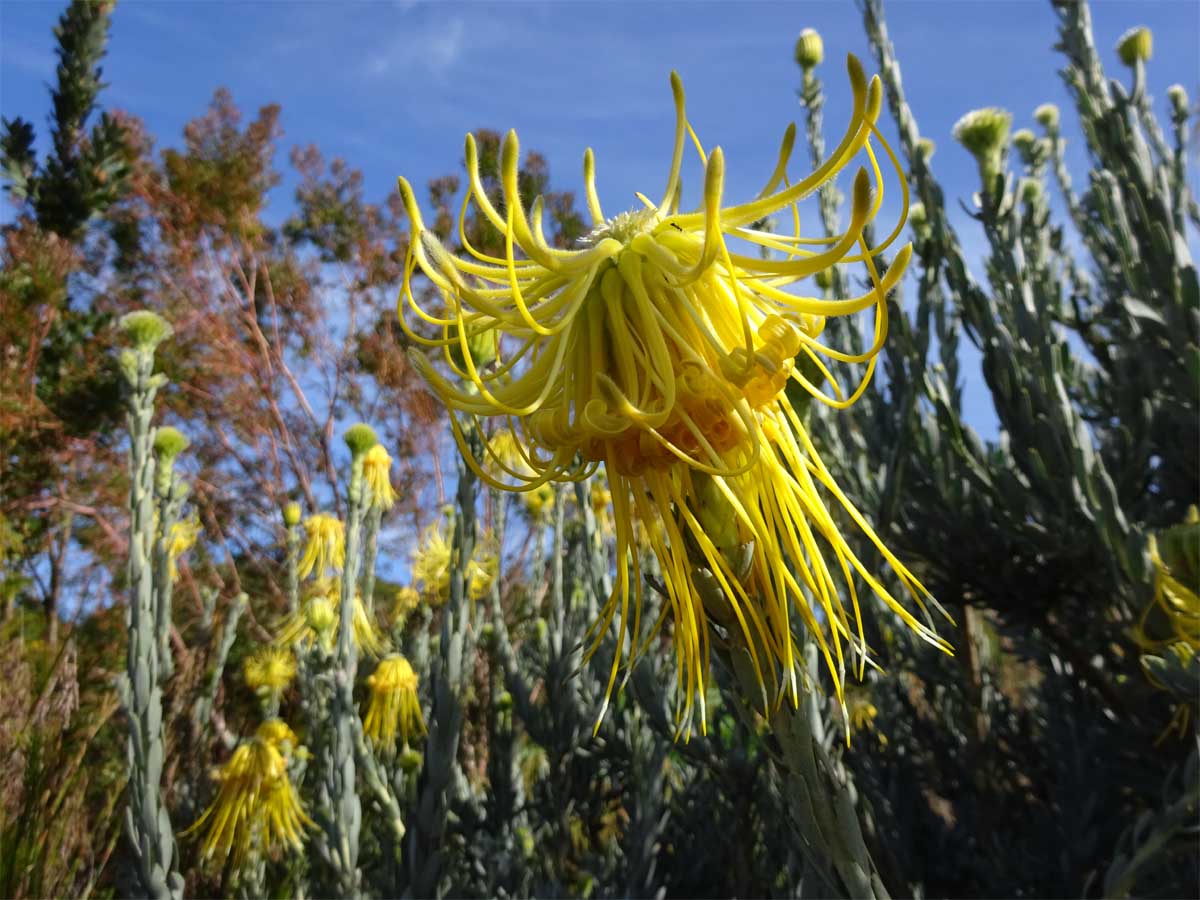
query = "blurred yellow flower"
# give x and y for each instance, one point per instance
(406, 601)
(376, 466)
(326, 547)
(256, 807)
(431, 566)
(269, 669)
(317, 620)
(394, 704)
(181, 539)
(658, 350)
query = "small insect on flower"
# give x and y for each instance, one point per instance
(326, 547)
(658, 350)
(394, 705)
(376, 465)
(256, 807)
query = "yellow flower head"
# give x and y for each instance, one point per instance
(270, 669)
(406, 601)
(659, 350)
(326, 547)
(181, 539)
(1174, 615)
(394, 704)
(431, 566)
(317, 620)
(376, 464)
(256, 806)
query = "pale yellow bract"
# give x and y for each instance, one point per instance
(659, 351)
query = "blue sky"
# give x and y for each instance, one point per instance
(393, 86)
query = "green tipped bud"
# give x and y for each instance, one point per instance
(1179, 99)
(1024, 139)
(1046, 115)
(146, 329)
(291, 514)
(1031, 190)
(1026, 143)
(1135, 45)
(926, 148)
(322, 618)
(169, 443)
(360, 438)
(715, 513)
(824, 279)
(504, 701)
(482, 347)
(916, 215)
(810, 49)
(410, 761)
(984, 133)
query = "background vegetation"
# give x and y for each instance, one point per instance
(1054, 755)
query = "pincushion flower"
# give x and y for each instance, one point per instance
(256, 805)
(658, 350)
(393, 705)
(317, 620)
(431, 566)
(269, 670)
(376, 465)
(326, 547)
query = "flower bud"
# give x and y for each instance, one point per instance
(810, 49)
(984, 133)
(146, 329)
(1179, 99)
(410, 761)
(824, 279)
(1135, 45)
(360, 438)
(291, 514)
(926, 148)
(1046, 115)
(504, 701)
(916, 216)
(169, 443)
(1030, 189)
(322, 617)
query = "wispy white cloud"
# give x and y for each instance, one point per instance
(431, 49)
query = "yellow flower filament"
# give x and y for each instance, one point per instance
(656, 350)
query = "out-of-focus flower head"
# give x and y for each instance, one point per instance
(431, 566)
(317, 620)
(376, 466)
(256, 807)
(407, 599)
(394, 705)
(269, 669)
(181, 539)
(1168, 632)
(1136, 45)
(326, 547)
(656, 349)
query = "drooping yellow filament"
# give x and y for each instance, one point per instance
(657, 351)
